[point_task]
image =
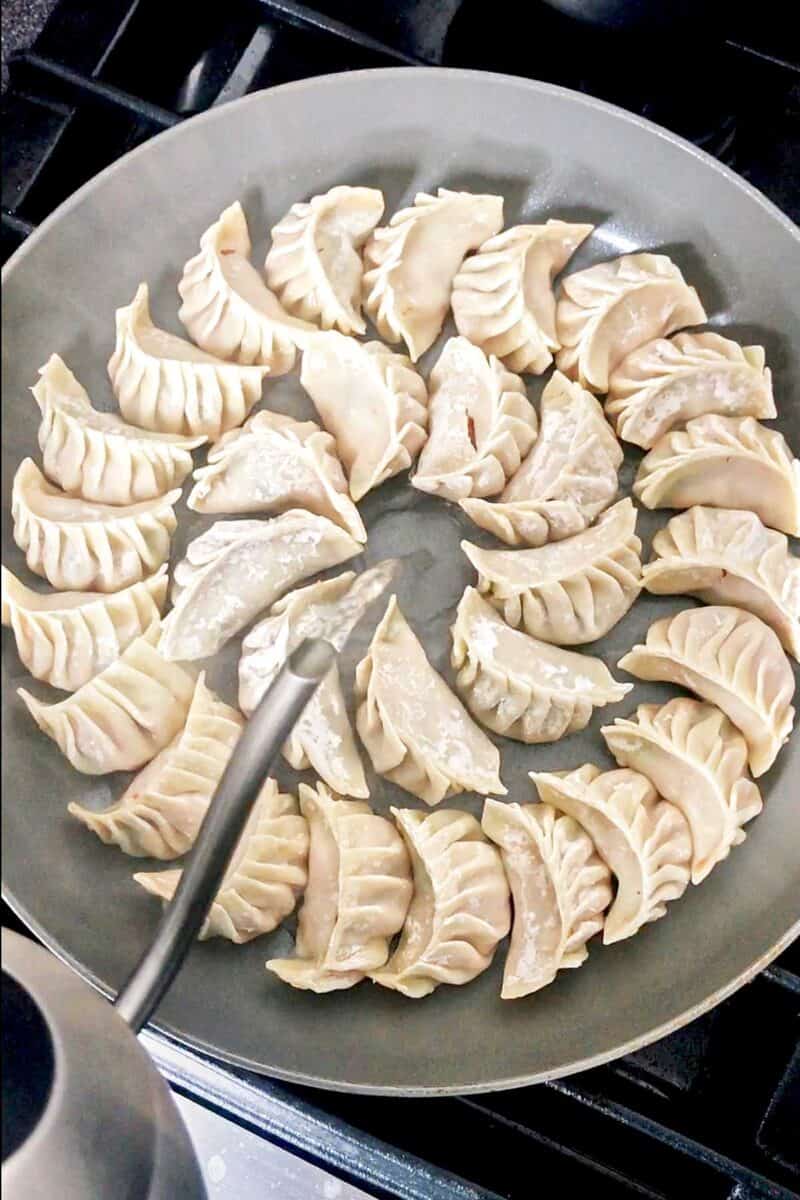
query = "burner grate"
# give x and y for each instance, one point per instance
(711, 1110)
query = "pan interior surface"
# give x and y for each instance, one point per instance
(550, 153)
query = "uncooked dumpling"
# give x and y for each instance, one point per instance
(732, 659)
(95, 455)
(567, 592)
(372, 401)
(322, 738)
(314, 266)
(412, 262)
(124, 716)
(607, 311)
(560, 887)
(272, 464)
(726, 556)
(671, 380)
(643, 840)
(569, 476)
(227, 308)
(460, 909)
(481, 425)
(520, 687)
(159, 815)
(503, 296)
(416, 732)
(165, 383)
(696, 759)
(82, 546)
(725, 462)
(237, 569)
(66, 638)
(266, 873)
(359, 889)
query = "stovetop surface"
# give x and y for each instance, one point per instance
(712, 1111)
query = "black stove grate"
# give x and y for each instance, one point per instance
(712, 1111)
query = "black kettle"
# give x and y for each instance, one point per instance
(86, 1116)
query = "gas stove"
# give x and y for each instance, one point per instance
(712, 1111)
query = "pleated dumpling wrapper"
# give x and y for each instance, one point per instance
(160, 812)
(228, 309)
(359, 890)
(95, 455)
(724, 462)
(120, 719)
(568, 592)
(78, 545)
(607, 311)
(314, 264)
(322, 739)
(416, 731)
(274, 463)
(568, 477)
(670, 381)
(521, 687)
(560, 888)
(503, 296)
(237, 569)
(372, 401)
(697, 759)
(643, 840)
(266, 874)
(726, 556)
(412, 262)
(66, 638)
(164, 383)
(460, 908)
(481, 425)
(730, 658)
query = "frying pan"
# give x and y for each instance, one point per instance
(549, 152)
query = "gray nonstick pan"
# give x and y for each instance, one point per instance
(550, 152)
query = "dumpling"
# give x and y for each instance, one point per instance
(416, 732)
(66, 638)
(165, 383)
(236, 569)
(266, 873)
(159, 815)
(503, 296)
(412, 262)
(725, 462)
(671, 380)
(228, 310)
(607, 311)
(359, 889)
(460, 909)
(120, 719)
(569, 476)
(95, 455)
(560, 887)
(372, 401)
(726, 556)
(272, 464)
(697, 759)
(322, 738)
(567, 592)
(520, 687)
(481, 425)
(314, 266)
(78, 545)
(643, 840)
(732, 659)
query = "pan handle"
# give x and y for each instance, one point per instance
(259, 745)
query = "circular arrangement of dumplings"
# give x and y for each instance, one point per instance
(420, 896)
